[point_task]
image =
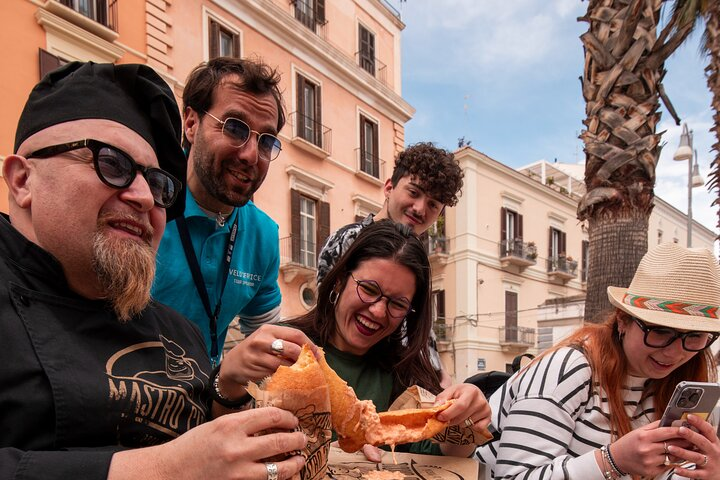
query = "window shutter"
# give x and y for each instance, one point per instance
(318, 118)
(440, 297)
(295, 224)
(362, 144)
(67, 3)
(376, 151)
(550, 243)
(503, 225)
(48, 62)
(563, 244)
(214, 40)
(323, 231)
(101, 11)
(519, 226)
(300, 110)
(236, 45)
(320, 11)
(511, 316)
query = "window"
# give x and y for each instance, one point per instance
(310, 13)
(309, 125)
(223, 42)
(438, 315)
(310, 224)
(511, 316)
(367, 50)
(98, 10)
(511, 233)
(49, 62)
(557, 243)
(585, 260)
(369, 159)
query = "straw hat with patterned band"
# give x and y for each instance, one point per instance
(673, 287)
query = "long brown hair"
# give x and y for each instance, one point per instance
(404, 353)
(603, 348)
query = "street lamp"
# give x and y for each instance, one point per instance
(685, 152)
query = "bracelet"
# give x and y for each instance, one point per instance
(607, 473)
(218, 397)
(605, 449)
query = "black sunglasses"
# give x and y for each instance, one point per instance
(117, 169)
(659, 337)
(238, 132)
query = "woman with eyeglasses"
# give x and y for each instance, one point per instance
(589, 407)
(372, 318)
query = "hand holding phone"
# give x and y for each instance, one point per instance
(697, 398)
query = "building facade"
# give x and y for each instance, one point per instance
(341, 81)
(511, 275)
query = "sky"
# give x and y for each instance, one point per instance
(504, 74)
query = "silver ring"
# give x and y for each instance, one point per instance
(665, 450)
(277, 346)
(272, 470)
(469, 422)
(704, 461)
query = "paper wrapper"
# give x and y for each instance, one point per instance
(418, 397)
(312, 407)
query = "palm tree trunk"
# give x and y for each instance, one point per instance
(621, 88)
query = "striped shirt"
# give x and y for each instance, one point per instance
(551, 422)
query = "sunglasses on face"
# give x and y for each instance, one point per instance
(659, 337)
(117, 169)
(238, 132)
(370, 292)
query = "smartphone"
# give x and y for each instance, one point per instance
(697, 398)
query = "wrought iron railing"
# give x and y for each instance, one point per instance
(370, 164)
(373, 66)
(443, 331)
(562, 264)
(295, 250)
(518, 248)
(105, 12)
(436, 244)
(312, 131)
(517, 335)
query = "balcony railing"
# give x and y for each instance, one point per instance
(105, 12)
(443, 331)
(436, 244)
(305, 13)
(297, 257)
(517, 252)
(311, 131)
(517, 336)
(562, 268)
(370, 164)
(373, 66)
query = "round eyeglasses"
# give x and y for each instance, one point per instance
(370, 292)
(117, 169)
(238, 132)
(659, 337)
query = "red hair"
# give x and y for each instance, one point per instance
(602, 346)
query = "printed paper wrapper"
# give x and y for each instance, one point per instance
(354, 466)
(418, 397)
(312, 407)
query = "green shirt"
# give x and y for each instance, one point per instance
(371, 382)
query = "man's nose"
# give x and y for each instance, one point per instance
(249, 152)
(139, 194)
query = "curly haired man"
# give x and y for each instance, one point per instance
(425, 180)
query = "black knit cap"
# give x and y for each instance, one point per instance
(130, 94)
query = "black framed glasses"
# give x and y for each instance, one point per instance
(370, 292)
(238, 132)
(659, 337)
(117, 169)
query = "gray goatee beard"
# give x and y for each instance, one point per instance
(125, 269)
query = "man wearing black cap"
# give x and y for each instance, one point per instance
(233, 113)
(92, 369)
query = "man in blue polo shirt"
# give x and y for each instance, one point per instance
(221, 259)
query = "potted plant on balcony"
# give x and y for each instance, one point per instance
(436, 232)
(531, 251)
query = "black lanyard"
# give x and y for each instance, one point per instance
(200, 282)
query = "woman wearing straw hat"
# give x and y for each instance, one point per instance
(589, 407)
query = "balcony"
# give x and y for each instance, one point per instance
(516, 338)
(306, 14)
(443, 331)
(297, 259)
(562, 268)
(373, 66)
(370, 165)
(310, 135)
(517, 253)
(103, 12)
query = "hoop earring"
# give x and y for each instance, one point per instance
(333, 297)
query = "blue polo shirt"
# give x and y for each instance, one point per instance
(252, 283)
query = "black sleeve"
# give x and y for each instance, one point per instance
(88, 464)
